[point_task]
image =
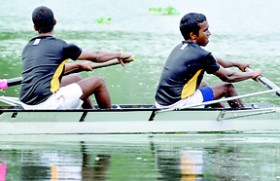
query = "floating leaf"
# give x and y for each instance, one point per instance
(104, 20)
(169, 10)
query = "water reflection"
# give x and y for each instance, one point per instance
(140, 157)
(229, 158)
(49, 164)
(182, 164)
(99, 170)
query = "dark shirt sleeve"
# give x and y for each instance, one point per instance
(211, 65)
(72, 51)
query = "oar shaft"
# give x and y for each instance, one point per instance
(5, 83)
(266, 82)
(269, 84)
(14, 81)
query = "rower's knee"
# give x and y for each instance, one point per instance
(222, 90)
(99, 81)
(229, 90)
(228, 87)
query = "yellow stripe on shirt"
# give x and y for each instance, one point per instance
(190, 87)
(55, 83)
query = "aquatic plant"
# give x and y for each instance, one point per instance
(169, 10)
(104, 20)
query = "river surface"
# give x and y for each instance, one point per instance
(241, 30)
(141, 157)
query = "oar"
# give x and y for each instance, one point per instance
(266, 82)
(5, 83)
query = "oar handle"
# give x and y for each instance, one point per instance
(5, 83)
(265, 82)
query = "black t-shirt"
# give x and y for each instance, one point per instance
(183, 72)
(43, 61)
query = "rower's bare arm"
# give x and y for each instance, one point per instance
(102, 56)
(70, 66)
(228, 75)
(227, 63)
(85, 65)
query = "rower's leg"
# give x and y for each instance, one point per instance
(227, 90)
(74, 78)
(96, 86)
(203, 84)
(216, 105)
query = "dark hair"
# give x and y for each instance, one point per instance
(189, 23)
(43, 19)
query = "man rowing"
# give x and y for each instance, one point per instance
(44, 62)
(181, 82)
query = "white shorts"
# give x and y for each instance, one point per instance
(196, 98)
(67, 97)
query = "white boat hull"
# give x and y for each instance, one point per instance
(138, 121)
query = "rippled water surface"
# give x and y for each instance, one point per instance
(241, 30)
(141, 157)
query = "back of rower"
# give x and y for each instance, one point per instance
(44, 62)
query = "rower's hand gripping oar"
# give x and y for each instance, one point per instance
(265, 82)
(5, 83)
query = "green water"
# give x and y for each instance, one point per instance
(241, 30)
(238, 33)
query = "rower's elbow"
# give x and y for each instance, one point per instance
(98, 55)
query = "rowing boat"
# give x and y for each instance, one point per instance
(138, 119)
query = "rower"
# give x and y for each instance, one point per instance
(181, 82)
(44, 62)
